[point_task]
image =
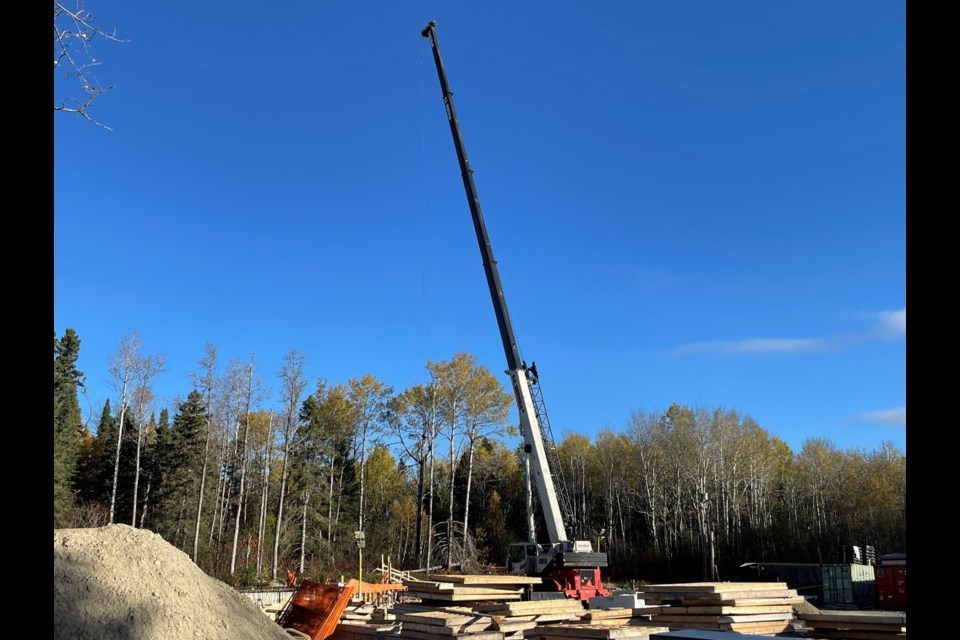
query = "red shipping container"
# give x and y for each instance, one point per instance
(892, 586)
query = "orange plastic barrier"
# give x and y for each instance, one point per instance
(315, 609)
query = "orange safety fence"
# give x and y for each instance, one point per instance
(315, 609)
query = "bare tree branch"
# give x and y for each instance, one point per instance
(74, 33)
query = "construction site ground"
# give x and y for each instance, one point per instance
(122, 583)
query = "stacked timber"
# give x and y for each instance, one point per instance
(445, 623)
(855, 626)
(514, 618)
(592, 631)
(361, 631)
(357, 611)
(362, 621)
(465, 589)
(745, 607)
(621, 616)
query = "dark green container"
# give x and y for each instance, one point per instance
(853, 584)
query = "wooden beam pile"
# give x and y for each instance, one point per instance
(446, 624)
(468, 588)
(514, 618)
(745, 607)
(357, 611)
(621, 616)
(361, 631)
(856, 626)
(591, 631)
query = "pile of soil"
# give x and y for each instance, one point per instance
(121, 583)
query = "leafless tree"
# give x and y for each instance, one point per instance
(123, 367)
(294, 383)
(75, 33)
(147, 367)
(205, 380)
(250, 394)
(369, 397)
(486, 406)
(264, 492)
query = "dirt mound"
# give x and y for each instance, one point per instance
(121, 583)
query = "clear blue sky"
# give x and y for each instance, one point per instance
(690, 202)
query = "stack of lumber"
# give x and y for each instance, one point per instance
(745, 607)
(362, 621)
(609, 617)
(445, 623)
(574, 631)
(357, 611)
(513, 618)
(620, 616)
(361, 631)
(468, 588)
(856, 626)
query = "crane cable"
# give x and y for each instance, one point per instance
(423, 215)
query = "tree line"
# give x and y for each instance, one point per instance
(433, 475)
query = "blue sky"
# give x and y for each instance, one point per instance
(691, 202)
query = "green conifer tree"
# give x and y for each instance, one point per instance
(68, 426)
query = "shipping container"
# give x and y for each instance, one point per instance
(892, 586)
(853, 584)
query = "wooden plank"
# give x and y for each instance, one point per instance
(752, 602)
(453, 588)
(532, 605)
(547, 617)
(600, 614)
(860, 626)
(426, 584)
(760, 617)
(511, 626)
(853, 617)
(713, 587)
(474, 579)
(464, 597)
(441, 630)
(859, 635)
(421, 635)
(755, 627)
(611, 622)
(767, 627)
(637, 635)
(409, 607)
(592, 631)
(356, 629)
(699, 610)
(643, 622)
(442, 618)
(739, 602)
(703, 597)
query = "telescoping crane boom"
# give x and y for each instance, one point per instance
(569, 568)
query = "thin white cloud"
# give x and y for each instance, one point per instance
(888, 325)
(891, 324)
(756, 345)
(896, 417)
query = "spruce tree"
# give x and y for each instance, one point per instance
(68, 426)
(179, 453)
(96, 464)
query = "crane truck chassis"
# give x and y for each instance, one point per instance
(569, 568)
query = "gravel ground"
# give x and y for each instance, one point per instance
(121, 583)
